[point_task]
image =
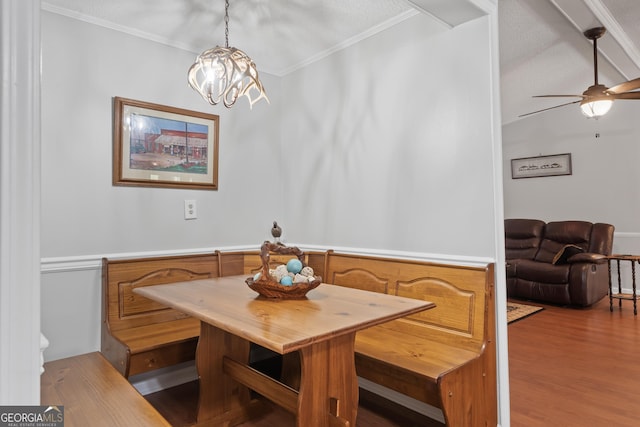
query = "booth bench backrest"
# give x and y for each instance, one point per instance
(249, 262)
(123, 309)
(461, 294)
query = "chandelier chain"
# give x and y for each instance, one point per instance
(226, 23)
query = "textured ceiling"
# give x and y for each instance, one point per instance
(542, 49)
(278, 35)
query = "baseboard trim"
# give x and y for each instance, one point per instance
(161, 379)
(399, 398)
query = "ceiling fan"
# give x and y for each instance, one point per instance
(597, 99)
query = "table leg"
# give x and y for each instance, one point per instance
(328, 384)
(633, 283)
(291, 370)
(619, 284)
(222, 401)
(610, 287)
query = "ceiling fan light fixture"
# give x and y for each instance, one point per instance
(597, 99)
(226, 73)
(596, 107)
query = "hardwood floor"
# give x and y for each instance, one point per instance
(178, 406)
(567, 367)
(575, 367)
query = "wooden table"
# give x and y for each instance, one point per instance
(321, 328)
(633, 259)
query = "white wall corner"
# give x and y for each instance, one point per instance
(19, 202)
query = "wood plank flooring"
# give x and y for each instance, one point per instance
(178, 406)
(576, 367)
(568, 367)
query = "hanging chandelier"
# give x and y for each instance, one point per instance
(225, 73)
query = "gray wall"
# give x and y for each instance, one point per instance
(385, 156)
(84, 217)
(84, 67)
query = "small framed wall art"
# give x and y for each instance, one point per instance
(532, 167)
(159, 146)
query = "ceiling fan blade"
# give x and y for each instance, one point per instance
(550, 108)
(626, 95)
(626, 86)
(558, 96)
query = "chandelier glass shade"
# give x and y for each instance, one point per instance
(225, 73)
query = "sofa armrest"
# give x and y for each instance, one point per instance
(588, 257)
(588, 281)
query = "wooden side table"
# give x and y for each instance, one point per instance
(633, 259)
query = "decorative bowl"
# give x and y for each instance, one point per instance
(268, 287)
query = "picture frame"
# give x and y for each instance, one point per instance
(539, 166)
(161, 146)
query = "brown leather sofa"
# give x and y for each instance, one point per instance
(561, 262)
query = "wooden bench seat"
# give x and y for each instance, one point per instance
(428, 358)
(95, 394)
(140, 335)
(444, 357)
(150, 337)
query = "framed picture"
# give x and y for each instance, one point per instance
(531, 167)
(159, 146)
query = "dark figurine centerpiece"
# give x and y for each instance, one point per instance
(276, 232)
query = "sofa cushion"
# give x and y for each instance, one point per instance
(555, 293)
(560, 233)
(522, 237)
(543, 272)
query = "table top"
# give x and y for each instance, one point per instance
(278, 324)
(624, 257)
